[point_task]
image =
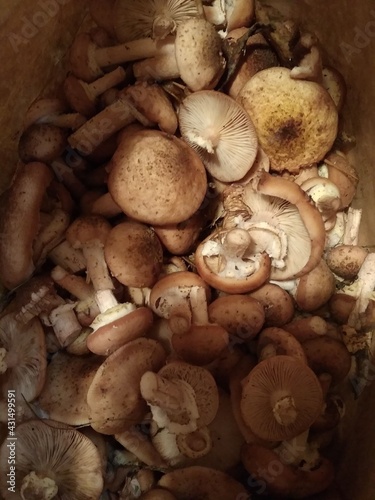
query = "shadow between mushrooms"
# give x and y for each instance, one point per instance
(281, 398)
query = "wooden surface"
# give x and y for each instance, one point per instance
(36, 68)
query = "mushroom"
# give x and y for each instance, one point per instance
(64, 255)
(296, 120)
(278, 304)
(182, 397)
(42, 142)
(82, 96)
(281, 398)
(306, 328)
(328, 355)
(239, 13)
(53, 460)
(240, 315)
(337, 169)
(283, 479)
(202, 482)
(134, 254)
(326, 196)
(20, 224)
(156, 178)
(274, 341)
(346, 260)
(221, 132)
(23, 357)
(170, 298)
(53, 112)
(68, 378)
(136, 19)
(116, 405)
(257, 56)
(226, 261)
(204, 341)
(334, 83)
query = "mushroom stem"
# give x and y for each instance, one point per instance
(67, 120)
(64, 323)
(50, 235)
(236, 243)
(76, 285)
(34, 486)
(67, 176)
(105, 82)
(284, 410)
(351, 231)
(198, 304)
(105, 300)
(366, 282)
(97, 267)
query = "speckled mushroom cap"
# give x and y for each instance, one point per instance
(281, 398)
(157, 178)
(296, 120)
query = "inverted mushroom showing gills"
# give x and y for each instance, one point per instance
(296, 120)
(53, 461)
(221, 131)
(281, 398)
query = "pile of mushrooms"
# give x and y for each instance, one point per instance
(186, 291)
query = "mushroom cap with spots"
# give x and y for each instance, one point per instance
(52, 458)
(221, 132)
(296, 120)
(157, 178)
(281, 398)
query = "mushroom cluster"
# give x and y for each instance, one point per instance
(187, 293)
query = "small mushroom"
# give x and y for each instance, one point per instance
(274, 341)
(296, 120)
(20, 224)
(202, 482)
(53, 460)
(278, 304)
(221, 132)
(281, 398)
(346, 260)
(134, 254)
(82, 96)
(309, 327)
(157, 178)
(53, 112)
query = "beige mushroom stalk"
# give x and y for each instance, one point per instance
(52, 460)
(136, 19)
(296, 120)
(221, 132)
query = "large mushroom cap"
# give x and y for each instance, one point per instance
(281, 398)
(157, 178)
(296, 120)
(221, 131)
(62, 459)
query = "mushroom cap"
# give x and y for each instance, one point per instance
(202, 482)
(157, 178)
(82, 58)
(315, 288)
(114, 329)
(157, 494)
(63, 396)
(296, 120)
(273, 380)
(199, 54)
(221, 132)
(278, 304)
(203, 384)
(25, 358)
(240, 315)
(42, 142)
(87, 229)
(135, 19)
(346, 260)
(62, 454)
(134, 254)
(114, 396)
(42, 108)
(277, 341)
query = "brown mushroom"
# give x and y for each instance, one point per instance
(281, 398)
(274, 341)
(346, 260)
(278, 304)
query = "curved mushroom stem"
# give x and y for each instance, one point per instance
(42, 488)
(172, 402)
(284, 409)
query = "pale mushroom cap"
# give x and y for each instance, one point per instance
(68, 379)
(25, 357)
(114, 396)
(221, 132)
(157, 178)
(135, 19)
(202, 482)
(296, 120)
(134, 254)
(65, 455)
(274, 379)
